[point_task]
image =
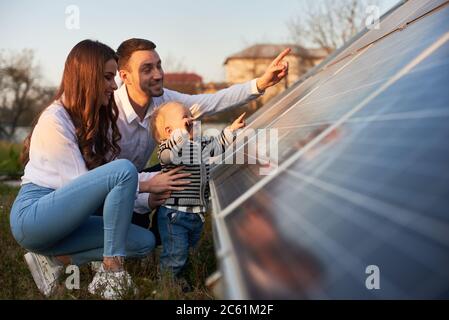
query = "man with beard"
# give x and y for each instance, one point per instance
(140, 69)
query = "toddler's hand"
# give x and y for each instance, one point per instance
(238, 123)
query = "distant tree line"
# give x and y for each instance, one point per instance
(22, 92)
(329, 24)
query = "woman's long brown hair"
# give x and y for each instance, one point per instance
(81, 92)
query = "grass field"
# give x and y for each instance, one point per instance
(10, 165)
(16, 281)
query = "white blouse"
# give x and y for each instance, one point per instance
(55, 157)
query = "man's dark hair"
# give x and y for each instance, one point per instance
(126, 49)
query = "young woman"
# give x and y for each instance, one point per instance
(69, 175)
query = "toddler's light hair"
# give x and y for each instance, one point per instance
(157, 121)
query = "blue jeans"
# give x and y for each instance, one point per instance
(179, 231)
(61, 222)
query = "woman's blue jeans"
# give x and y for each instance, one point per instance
(61, 222)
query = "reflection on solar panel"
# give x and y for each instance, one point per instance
(363, 177)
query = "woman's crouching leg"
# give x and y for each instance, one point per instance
(140, 242)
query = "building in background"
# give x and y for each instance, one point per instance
(190, 83)
(212, 87)
(244, 66)
(253, 61)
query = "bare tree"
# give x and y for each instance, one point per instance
(329, 24)
(21, 91)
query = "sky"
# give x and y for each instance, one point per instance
(199, 34)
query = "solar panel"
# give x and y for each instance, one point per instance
(363, 178)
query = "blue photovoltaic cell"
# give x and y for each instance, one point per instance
(374, 191)
(334, 97)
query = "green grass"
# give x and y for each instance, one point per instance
(16, 281)
(10, 159)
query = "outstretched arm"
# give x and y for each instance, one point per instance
(213, 146)
(235, 95)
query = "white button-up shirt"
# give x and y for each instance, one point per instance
(137, 143)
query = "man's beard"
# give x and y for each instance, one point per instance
(157, 94)
(152, 92)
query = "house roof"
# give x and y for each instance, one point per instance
(270, 51)
(182, 77)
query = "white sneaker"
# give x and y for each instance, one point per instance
(111, 285)
(45, 272)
